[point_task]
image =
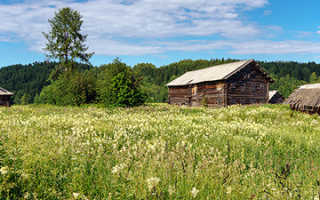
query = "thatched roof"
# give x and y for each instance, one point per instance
(306, 95)
(215, 73)
(4, 92)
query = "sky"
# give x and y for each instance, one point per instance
(166, 31)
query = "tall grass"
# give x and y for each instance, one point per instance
(159, 152)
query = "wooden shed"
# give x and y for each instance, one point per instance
(5, 96)
(275, 97)
(306, 99)
(242, 82)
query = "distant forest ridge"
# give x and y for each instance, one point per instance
(26, 81)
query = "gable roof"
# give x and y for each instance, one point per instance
(215, 73)
(5, 92)
(272, 93)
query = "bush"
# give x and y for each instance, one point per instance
(118, 86)
(124, 91)
(75, 88)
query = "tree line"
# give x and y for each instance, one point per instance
(27, 81)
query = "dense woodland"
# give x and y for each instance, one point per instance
(27, 81)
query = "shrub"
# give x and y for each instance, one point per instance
(118, 86)
(75, 88)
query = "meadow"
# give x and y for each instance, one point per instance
(159, 152)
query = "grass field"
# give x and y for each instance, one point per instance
(159, 152)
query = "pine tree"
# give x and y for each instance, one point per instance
(65, 41)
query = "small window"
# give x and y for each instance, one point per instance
(194, 90)
(308, 108)
(260, 86)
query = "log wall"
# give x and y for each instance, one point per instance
(4, 100)
(249, 86)
(211, 94)
(180, 95)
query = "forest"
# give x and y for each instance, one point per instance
(27, 81)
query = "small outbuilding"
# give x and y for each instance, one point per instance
(306, 99)
(5, 96)
(275, 97)
(243, 82)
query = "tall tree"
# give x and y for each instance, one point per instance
(65, 41)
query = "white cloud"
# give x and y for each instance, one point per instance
(135, 27)
(267, 12)
(278, 47)
(114, 25)
(248, 47)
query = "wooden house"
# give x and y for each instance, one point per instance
(275, 97)
(306, 99)
(242, 82)
(5, 97)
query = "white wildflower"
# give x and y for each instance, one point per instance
(153, 182)
(171, 190)
(76, 195)
(26, 195)
(194, 192)
(116, 169)
(314, 122)
(4, 170)
(229, 190)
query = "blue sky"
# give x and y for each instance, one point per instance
(167, 31)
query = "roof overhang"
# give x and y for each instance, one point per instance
(242, 65)
(4, 92)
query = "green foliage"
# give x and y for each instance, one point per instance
(151, 80)
(314, 78)
(25, 79)
(65, 40)
(286, 85)
(118, 86)
(74, 88)
(26, 99)
(124, 91)
(48, 94)
(29, 79)
(290, 75)
(37, 99)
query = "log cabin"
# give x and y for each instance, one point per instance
(243, 82)
(5, 96)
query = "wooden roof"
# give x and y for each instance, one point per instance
(272, 93)
(4, 92)
(214, 73)
(308, 95)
